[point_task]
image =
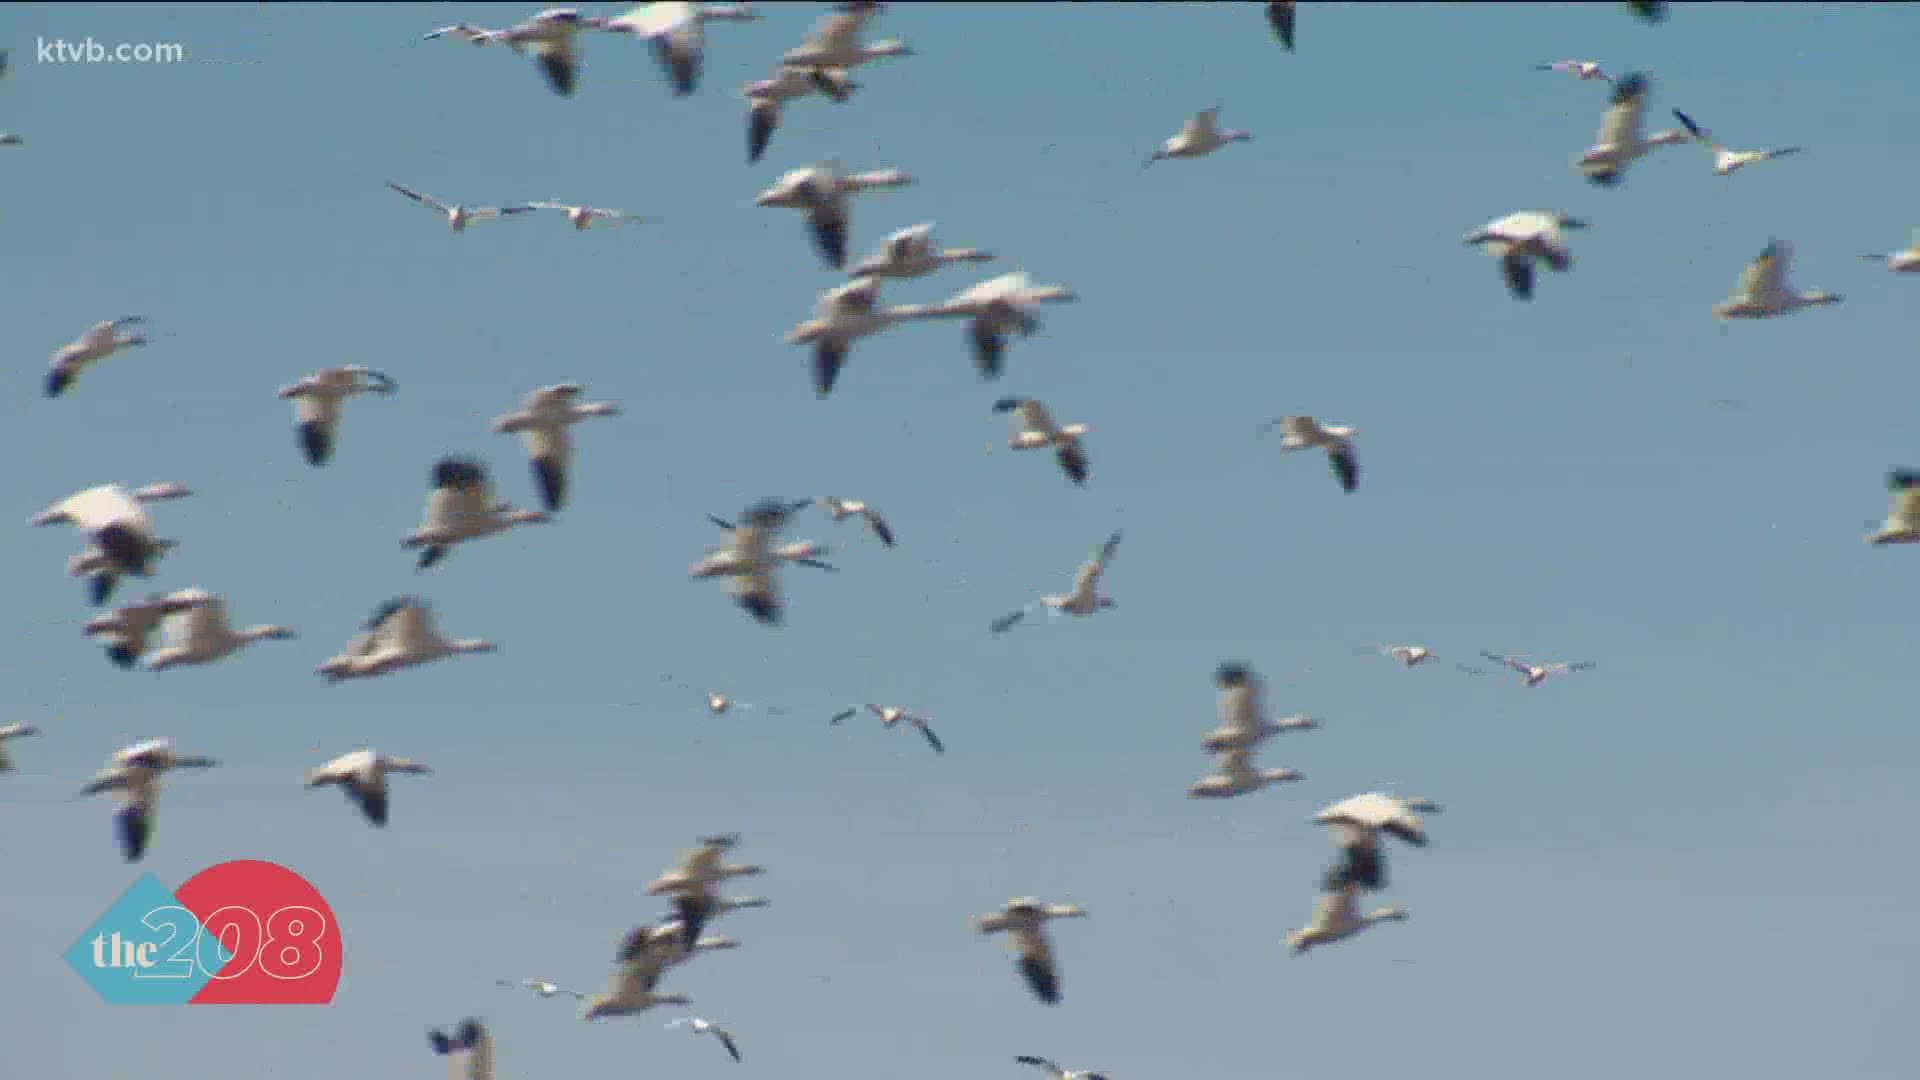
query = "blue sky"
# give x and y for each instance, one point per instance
(1687, 860)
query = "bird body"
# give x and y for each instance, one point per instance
(1199, 136)
(1621, 140)
(824, 192)
(1306, 433)
(1337, 916)
(751, 558)
(102, 340)
(116, 523)
(1764, 289)
(317, 400)
(1906, 261)
(844, 315)
(1579, 69)
(542, 421)
(401, 634)
(839, 40)
(1024, 920)
(1047, 1065)
(362, 775)
(468, 1050)
(586, 217)
(1236, 774)
(1521, 239)
(840, 509)
(911, 253)
(677, 31)
(127, 630)
(720, 704)
(707, 1027)
(461, 507)
(198, 631)
(1281, 16)
(1034, 429)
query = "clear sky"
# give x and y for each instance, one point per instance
(1692, 861)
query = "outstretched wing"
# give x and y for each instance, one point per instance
(1621, 125)
(1767, 274)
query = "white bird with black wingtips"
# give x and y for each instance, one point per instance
(126, 631)
(1356, 825)
(458, 216)
(1034, 429)
(911, 253)
(468, 1050)
(460, 507)
(840, 509)
(317, 399)
(1532, 675)
(1765, 291)
(707, 1027)
(631, 989)
(400, 634)
(842, 316)
(1243, 712)
(135, 771)
(197, 631)
(1725, 161)
(1024, 919)
(362, 775)
(1621, 141)
(1199, 136)
(1521, 239)
(550, 36)
(543, 420)
(9, 732)
(1085, 599)
(1903, 517)
(118, 529)
(102, 340)
(541, 988)
(693, 880)
(1336, 917)
(1579, 69)
(720, 704)
(1236, 774)
(838, 40)
(1905, 261)
(751, 558)
(583, 217)
(1306, 433)
(995, 310)
(891, 715)
(766, 99)
(824, 193)
(677, 30)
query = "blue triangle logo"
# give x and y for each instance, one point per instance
(146, 949)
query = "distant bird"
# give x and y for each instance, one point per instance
(1579, 69)
(911, 253)
(1306, 433)
(750, 559)
(823, 192)
(118, 529)
(1279, 16)
(1235, 774)
(1727, 161)
(891, 715)
(317, 399)
(401, 634)
(10, 732)
(459, 217)
(840, 509)
(585, 217)
(707, 1027)
(1243, 712)
(1533, 675)
(126, 631)
(1199, 136)
(1356, 825)
(1034, 429)
(631, 989)
(789, 82)
(1764, 289)
(469, 1048)
(1024, 918)
(1652, 11)
(543, 420)
(1337, 916)
(1903, 517)
(677, 30)
(134, 771)
(198, 631)
(362, 775)
(461, 507)
(996, 309)
(1521, 239)
(467, 32)
(102, 340)
(1085, 599)
(542, 988)
(720, 704)
(838, 40)
(1902, 262)
(1410, 655)
(842, 316)
(1046, 1064)
(1620, 142)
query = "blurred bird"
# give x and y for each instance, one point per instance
(461, 507)
(1034, 429)
(677, 30)
(823, 192)
(317, 400)
(459, 217)
(1533, 675)
(1085, 599)
(1620, 141)
(766, 97)
(469, 1050)
(1903, 517)
(102, 340)
(9, 732)
(543, 422)
(1306, 433)
(1024, 918)
(1199, 136)
(707, 1027)
(1337, 916)
(997, 309)
(1727, 161)
(1765, 289)
(1521, 239)
(891, 715)
(1902, 262)
(362, 775)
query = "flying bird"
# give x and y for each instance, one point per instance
(549, 36)
(1243, 712)
(135, 771)
(1199, 136)
(842, 316)
(631, 988)
(824, 192)
(1024, 919)
(838, 40)
(543, 420)
(585, 217)
(197, 631)
(317, 399)
(707, 1027)
(1356, 825)
(996, 309)
(891, 715)
(677, 30)
(362, 775)
(118, 530)
(1620, 142)
(693, 879)
(1533, 675)
(459, 217)
(1235, 774)
(1653, 11)
(1520, 240)
(1337, 916)
(1902, 262)
(1085, 599)
(400, 634)
(720, 704)
(9, 732)
(102, 340)
(840, 509)
(1764, 290)
(461, 507)
(1903, 517)
(1410, 655)
(1579, 69)
(1034, 429)
(766, 98)
(750, 558)
(126, 631)
(1306, 433)
(911, 253)
(541, 988)
(1046, 1064)
(469, 1050)
(1727, 161)
(1280, 16)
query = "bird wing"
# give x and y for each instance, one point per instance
(1700, 135)
(1035, 418)
(1346, 464)
(1044, 1063)
(96, 508)
(1621, 125)
(880, 527)
(419, 197)
(408, 628)
(932, 739)
(1766, 276)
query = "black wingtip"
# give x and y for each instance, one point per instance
(57, 382)
(1232, 674)
(1007, 404)
(1629, 87)
(763, 608)
(315, 443)
(122, 656)
(551, 479)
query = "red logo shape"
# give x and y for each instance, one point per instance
(285, 943)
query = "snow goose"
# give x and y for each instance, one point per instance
(1902, 262)
(461, 507)
(707, 1027)
(1652, 11)
(720, 704)
(1034, 429)
(631, 989)
(586, 217)
(198, 631)
(693, 879)
(317, 399)
(891, 715)
(1280, 16)
(467, 32)
(118, 529)
(838, 40)
(1305, 433)
(843, 315)
(1356, 825)
(126, 631)
(1337, 916)
(677, 31)
(134, 771)
(549, 36)
(541, 988)
(750, 559)
(1620, 142)
(1579, 69)
(910, 253)
(1243, 712)
(401, 634)
(9, 732)
(1903, 517)
(1024, 919)
(1235, 774)
(102, 340)
(823, 191)
(996, 309)
(1533, 675)
(544, 416)
(789, 82)
(1046, 1064)
(1727, 161)
(1410, 655)
(1519, 239)
(1085, 599)
(1764, 290)
(459, 217)
(1199, 136)
(362, 775)
(840, 509)
(469, 1050)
